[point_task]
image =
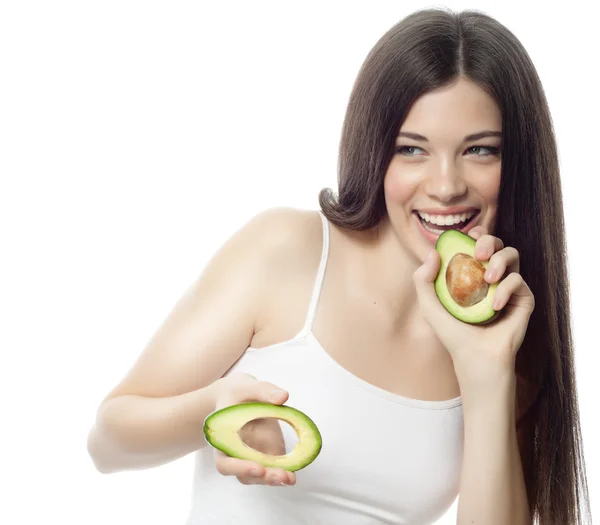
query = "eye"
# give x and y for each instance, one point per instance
(407, 150)
(491, 150)
(479, 151)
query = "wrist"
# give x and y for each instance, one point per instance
(214, 391)
(490, 392)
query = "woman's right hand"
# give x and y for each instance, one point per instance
(261, 434)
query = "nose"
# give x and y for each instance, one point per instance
(445, 182)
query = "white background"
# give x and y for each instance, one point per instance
(136, 136)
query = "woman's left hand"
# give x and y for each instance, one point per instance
(481, 353)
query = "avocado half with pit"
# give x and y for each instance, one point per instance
(222, 427)
(460, 283)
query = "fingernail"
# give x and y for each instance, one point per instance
(279, 483)
(276, 394)
(490, 275)
(496, 303)
(255, 472)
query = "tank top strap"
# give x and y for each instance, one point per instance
(316, 293)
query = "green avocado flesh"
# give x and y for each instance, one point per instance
(221, 429)
(460, 285)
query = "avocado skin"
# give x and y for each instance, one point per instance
(461, 243)
(282, 412)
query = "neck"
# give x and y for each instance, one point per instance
(384, 271)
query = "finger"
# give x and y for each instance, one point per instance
(486, 246)
(268, 393)
(228, 466)
(514, 291)
(279, 476)
(503, 261)
(282, 475)
(253, 390)
(272, 476)
(477, 231)
(428, 300)
(427, 272)
(251, 473)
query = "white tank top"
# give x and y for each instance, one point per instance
(385, 458)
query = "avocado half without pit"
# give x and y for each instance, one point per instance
(460, 284)
(222, 431)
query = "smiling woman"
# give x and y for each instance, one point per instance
(336, 310)
(474, 147)
(445, 182)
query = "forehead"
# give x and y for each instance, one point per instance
(460, 109)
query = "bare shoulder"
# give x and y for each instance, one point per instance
(292, 254)
(289, 235)
(289, 243)
(272, 242)
(216, 318)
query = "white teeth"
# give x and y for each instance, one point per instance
(432, 230)
(446, 220)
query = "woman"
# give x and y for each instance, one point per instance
(335, 311)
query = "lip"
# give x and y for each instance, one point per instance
(455, 210)
(433, 237)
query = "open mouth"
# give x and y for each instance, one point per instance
(437, 224)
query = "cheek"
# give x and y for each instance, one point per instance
(484, 182)
(489, 189)
(493, 183)
(398, 189)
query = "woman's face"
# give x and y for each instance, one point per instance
(443, 176)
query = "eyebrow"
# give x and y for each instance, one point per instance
(468, 138)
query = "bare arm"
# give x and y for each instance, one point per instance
(492, 488)
(138, 432)
(155, 414)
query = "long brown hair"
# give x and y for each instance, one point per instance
(429, 49)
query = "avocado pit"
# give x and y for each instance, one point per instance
(465, 280)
